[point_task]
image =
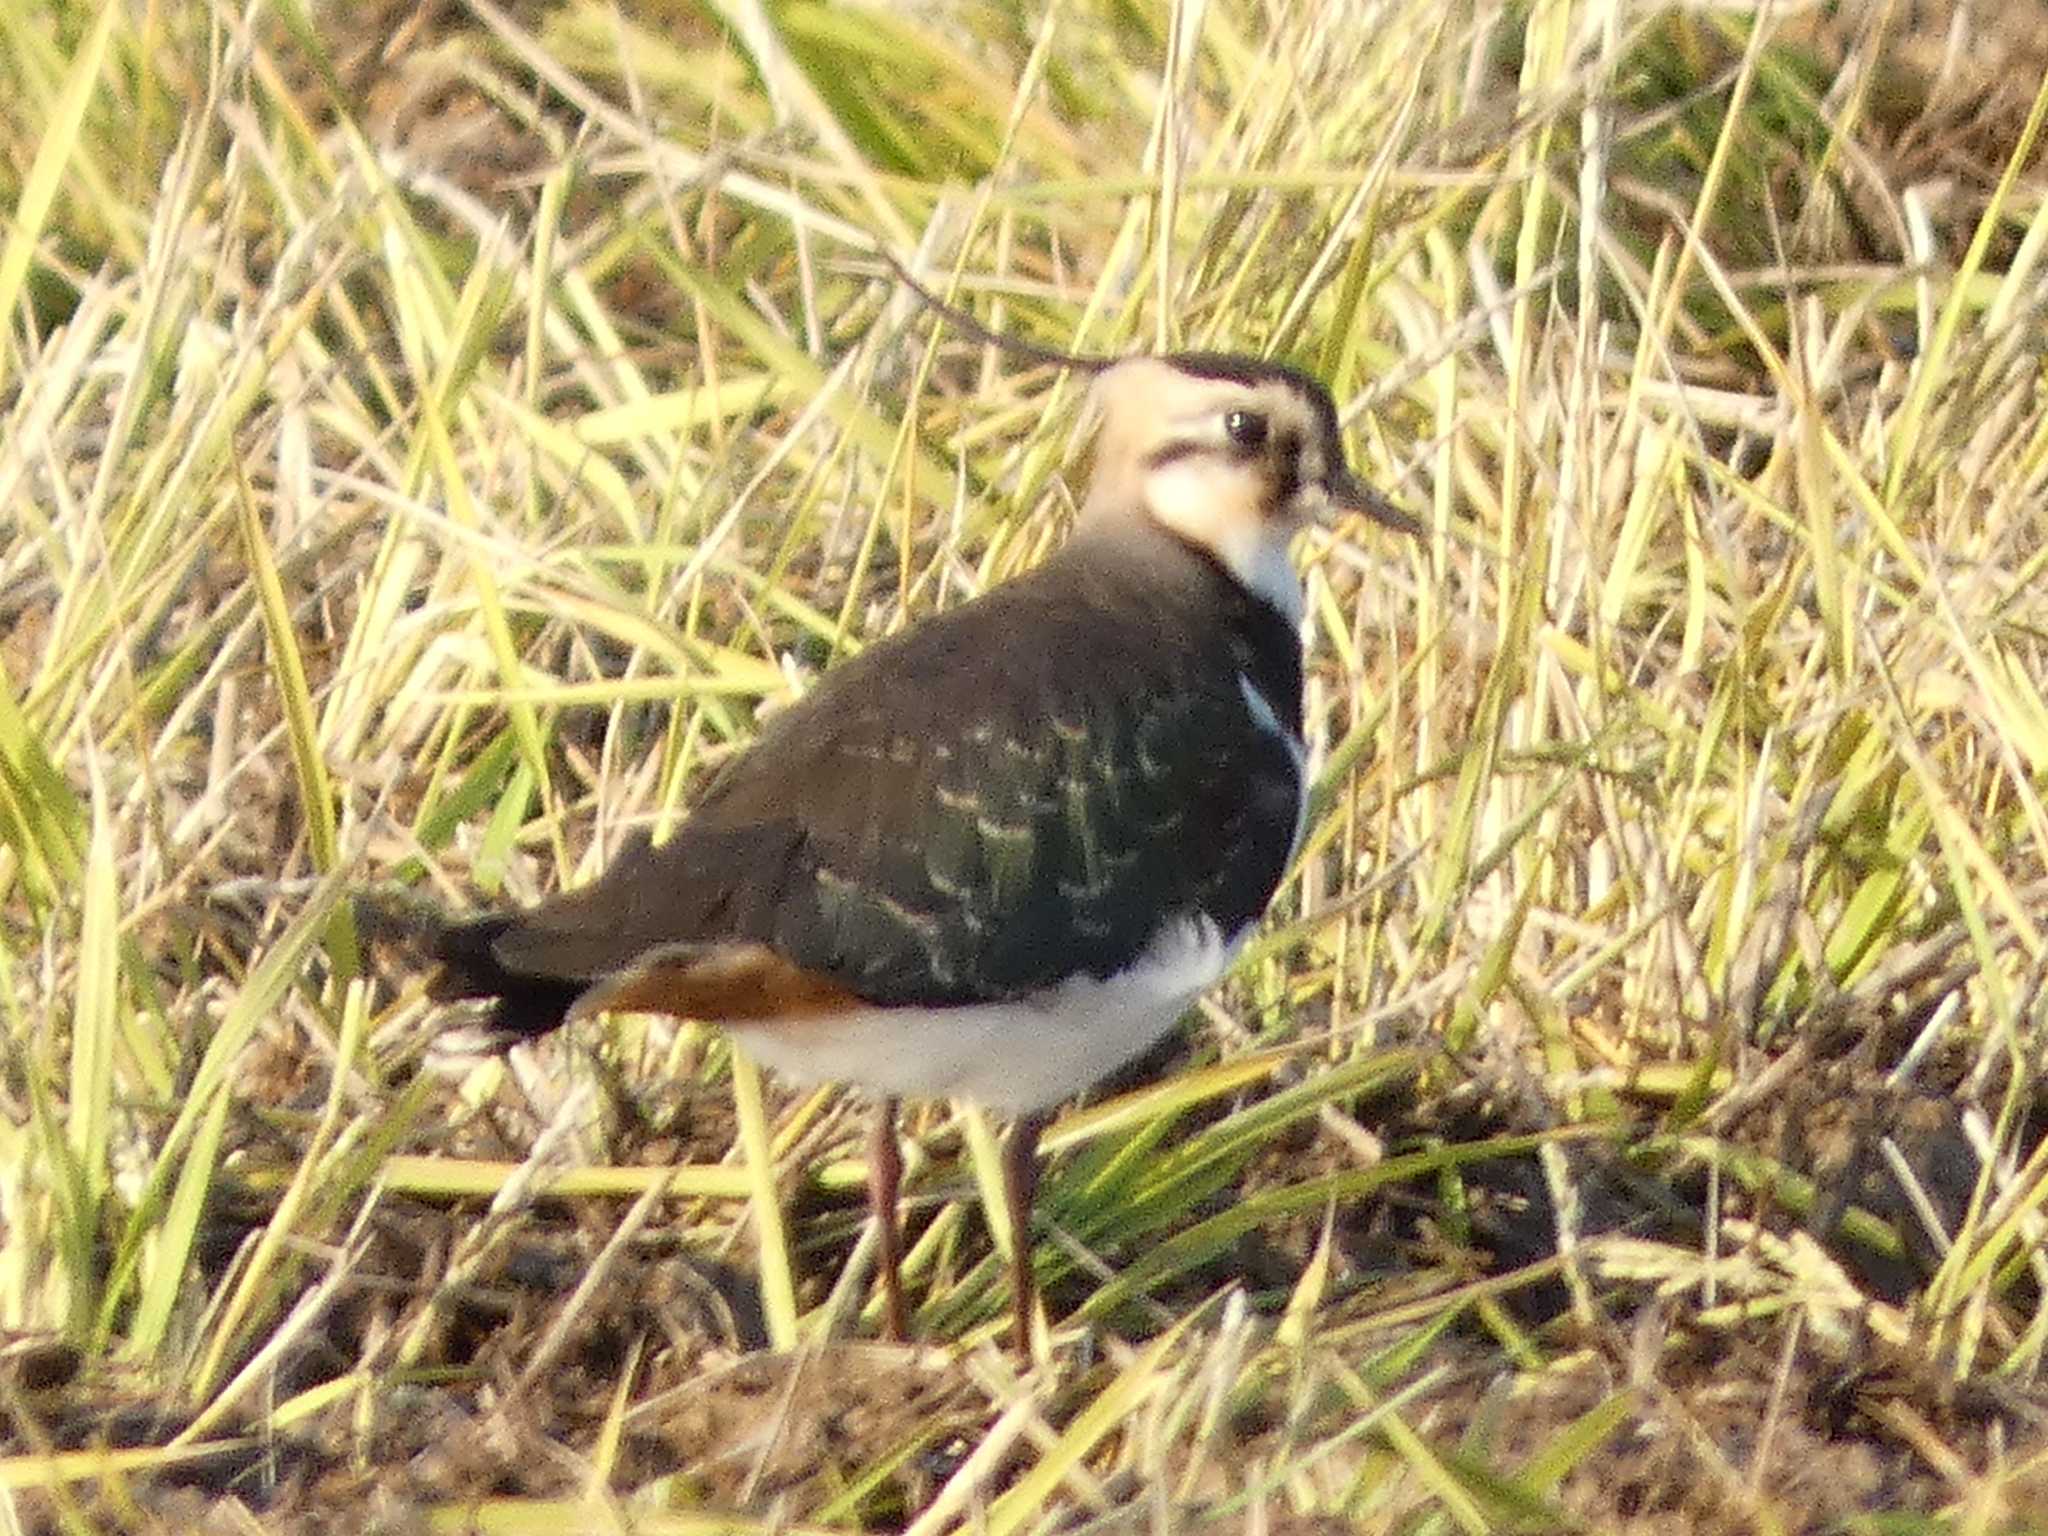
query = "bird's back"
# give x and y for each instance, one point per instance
(1003, 797)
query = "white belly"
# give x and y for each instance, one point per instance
(1013, 1056)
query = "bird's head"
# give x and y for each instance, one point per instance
(1231, 455)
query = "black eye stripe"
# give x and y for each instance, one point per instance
(1174, 452)
(1288, 444)
(1287, 475)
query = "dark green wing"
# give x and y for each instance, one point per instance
(998, 800)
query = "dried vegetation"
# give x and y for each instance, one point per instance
(434, 434)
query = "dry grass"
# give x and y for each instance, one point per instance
(433, 434)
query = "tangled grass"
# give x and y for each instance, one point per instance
(434, 434)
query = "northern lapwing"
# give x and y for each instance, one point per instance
(998, 855)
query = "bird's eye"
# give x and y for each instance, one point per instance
(1245, 429)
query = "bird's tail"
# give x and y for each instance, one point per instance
(460, 960)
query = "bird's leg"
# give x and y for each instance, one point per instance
(885, 1179)
(1020, 1187)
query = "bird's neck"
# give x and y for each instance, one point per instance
(1228, 525)
(1261, 634)
(1256, 568)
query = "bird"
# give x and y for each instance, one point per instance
(997, 855)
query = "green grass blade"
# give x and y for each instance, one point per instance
(57, 145)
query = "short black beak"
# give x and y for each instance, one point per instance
(1348, 493)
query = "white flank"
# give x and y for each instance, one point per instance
(1266, 718)
(1013, 1056)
